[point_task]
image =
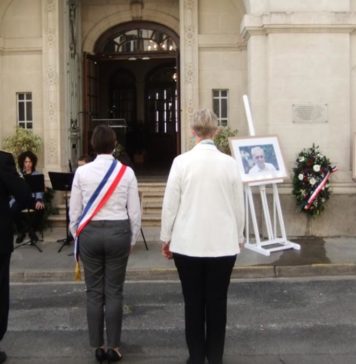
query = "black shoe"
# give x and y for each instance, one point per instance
(100, 355)
(113, 356)
(3, 357)
(191, 361)
(33, 236)
(19, 239)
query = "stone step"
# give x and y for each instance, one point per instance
(147, 213)
(151, 185)
(59, 221)
(147, 204)
(150, 217)
(152, 199)
(152, 196)
(152, 204)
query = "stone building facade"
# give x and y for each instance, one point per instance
(295, 59)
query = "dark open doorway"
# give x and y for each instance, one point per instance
(132, 83)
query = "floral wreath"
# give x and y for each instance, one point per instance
(311, 185)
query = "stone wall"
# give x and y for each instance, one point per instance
(338, 218)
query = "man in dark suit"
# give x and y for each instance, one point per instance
(11, 184)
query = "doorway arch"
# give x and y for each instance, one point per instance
(133, 76)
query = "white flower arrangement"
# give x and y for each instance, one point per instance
(311, 185)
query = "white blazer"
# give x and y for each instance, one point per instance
(203, 205)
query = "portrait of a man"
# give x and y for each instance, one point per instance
(258, 158)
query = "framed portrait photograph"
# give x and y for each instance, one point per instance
(258, 158)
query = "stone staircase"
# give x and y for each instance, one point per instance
(152, 197)
(60, 219)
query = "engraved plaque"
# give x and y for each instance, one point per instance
(310, 113)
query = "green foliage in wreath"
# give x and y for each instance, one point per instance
(311, 169)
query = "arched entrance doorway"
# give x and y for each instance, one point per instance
(132, 83)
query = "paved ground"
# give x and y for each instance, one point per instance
(309, 319)
(270, 321)
(317, 257)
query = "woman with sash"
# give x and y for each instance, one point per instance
(105, 219)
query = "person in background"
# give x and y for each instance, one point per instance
(11, 184)
(105, 242)
(84, 159)
(258, 156)
(27, 162)
(202, 226)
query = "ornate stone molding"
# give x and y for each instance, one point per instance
(136, 7)
(92, 35)
(217, 42)
(282, 22)
(51, 119)
(189, 66)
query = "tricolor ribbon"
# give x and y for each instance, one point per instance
(98, 199)
(320, 187)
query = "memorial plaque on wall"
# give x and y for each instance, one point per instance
(310, 113)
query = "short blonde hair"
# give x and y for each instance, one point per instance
(204, 123)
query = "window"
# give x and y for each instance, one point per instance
(220, 106)
(24, 109)
(162, 100)
(140, 40)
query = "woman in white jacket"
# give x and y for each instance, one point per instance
(202, 227)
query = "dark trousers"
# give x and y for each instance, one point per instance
(205, 283)
(4, 292)
(104, 248)
(27, 220)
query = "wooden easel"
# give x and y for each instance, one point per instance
(277, 240)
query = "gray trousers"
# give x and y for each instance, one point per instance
(104, 248)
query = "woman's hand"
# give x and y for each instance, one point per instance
(242, 243)
(165, 250)
(39, 205)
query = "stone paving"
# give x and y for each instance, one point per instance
(318, 256)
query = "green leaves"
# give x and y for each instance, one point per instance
(311, 169)
(22, 141)
(221, 138)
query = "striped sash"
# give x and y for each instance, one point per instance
(98, 199)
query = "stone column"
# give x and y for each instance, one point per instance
(189, 83)
(1, 91)
(257, 78)
(54, 133)
(73, 61)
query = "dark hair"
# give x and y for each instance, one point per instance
(103, 139)
(84, 157)
(28, 154)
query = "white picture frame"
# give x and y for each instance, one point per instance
(259, 158)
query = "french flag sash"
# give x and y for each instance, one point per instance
(98, 199)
